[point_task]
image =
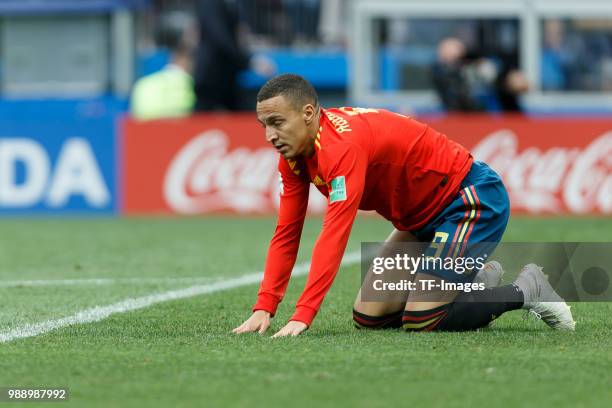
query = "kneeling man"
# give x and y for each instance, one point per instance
(430, 189)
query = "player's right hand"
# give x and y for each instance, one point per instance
(258, 322)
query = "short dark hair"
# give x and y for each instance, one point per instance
(171, 29)
(293, 87)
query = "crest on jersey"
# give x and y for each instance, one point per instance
(338, 190)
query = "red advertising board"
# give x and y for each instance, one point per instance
(221, 163)
(210, 163)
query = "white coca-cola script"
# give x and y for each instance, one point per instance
(555, 180)
(205, 177)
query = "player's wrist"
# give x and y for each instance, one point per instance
(262, 312)
(255, 310)
(299, 321)
(266, 302)
(304, 314)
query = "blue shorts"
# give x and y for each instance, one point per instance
(471, 225)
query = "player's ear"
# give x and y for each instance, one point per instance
(308, 112)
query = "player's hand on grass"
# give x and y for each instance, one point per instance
(258, 322)
(293, 328)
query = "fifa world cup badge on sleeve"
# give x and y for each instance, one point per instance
(338, 190)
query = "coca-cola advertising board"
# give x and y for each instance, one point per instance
(221, 163)
(204, 164)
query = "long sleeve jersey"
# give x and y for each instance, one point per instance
(366, 159)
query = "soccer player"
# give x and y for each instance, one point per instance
(430, 189)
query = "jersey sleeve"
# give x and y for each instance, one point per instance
(285, 242)
(346, 179)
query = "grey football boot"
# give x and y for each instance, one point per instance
(542, 301)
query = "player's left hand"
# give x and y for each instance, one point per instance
(293, 328)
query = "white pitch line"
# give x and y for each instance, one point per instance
(98, 313)
(100, 281)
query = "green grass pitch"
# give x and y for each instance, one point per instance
(181, 352)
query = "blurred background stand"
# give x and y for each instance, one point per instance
(67, 48)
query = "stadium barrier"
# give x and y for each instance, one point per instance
(221, 163)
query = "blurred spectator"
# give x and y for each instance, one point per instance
(450, 77)
(499, 43)
(476, 82)
(509, 85)
(168, 93)
(575, 53)
(221, 57)
(554, 61)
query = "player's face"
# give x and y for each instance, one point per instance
(287, 128)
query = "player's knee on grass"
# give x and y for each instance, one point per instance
(389, 321)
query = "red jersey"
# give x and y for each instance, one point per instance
(366, 159)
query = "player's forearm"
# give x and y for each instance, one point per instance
(320, 281)
(326, 259)
(280, 260)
